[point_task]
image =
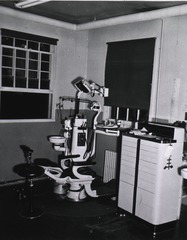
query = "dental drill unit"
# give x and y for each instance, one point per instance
(74, 177)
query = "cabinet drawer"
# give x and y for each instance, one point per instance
(128, 140)
(148, 156)
(147, 176)
(125, 197)
(127, 178)
(129, 149)
(128, 170)
(128, 163)
(125, 152)
(147, 167)
(148, 186)
(145, 205)
(131, 161)
(153, 146)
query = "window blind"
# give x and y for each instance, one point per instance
(128, 73)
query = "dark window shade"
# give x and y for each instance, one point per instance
(128, 73)
(28, 36)
(21, 105)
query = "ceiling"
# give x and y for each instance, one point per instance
(79, 12)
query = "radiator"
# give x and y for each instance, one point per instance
(110, 166)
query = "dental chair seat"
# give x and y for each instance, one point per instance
(82, 170)
(80, 188)
(74, 178)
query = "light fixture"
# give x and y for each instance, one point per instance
(29, 3)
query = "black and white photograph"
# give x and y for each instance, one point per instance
(93, 120)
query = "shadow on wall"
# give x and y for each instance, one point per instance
(33, 135)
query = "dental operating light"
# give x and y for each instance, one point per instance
(85, 86)
(29, 3)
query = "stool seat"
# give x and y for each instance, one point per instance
(28, 171)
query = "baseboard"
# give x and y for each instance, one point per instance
(19, 181)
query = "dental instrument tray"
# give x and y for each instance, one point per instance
(102, 126)
(154, 132)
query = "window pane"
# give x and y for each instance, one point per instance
(45, 84)
(7, 61)
(45, 81)
(20, 78)
(33, 74)
(114, 112)
(24, 105)
(20, 43)
(33, 80)
(144, 114)
(132, 115)
(20, 73)
(44, 47)
(33, 45)
(20, 63)
(7, 41)
(7, 77)
(44, 66)
(33, 83)
(122, 113)
(20, 82)
(45, 57)
(8, 51)
(44, 76)
(21, 53)
(7, 81)
(33, 55)
(33, 65)
(7, 71)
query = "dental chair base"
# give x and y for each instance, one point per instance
(74, 189)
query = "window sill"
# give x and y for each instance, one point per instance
(26, 120)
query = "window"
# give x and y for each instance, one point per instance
(26, 89)
(130, 114)
(128, 75)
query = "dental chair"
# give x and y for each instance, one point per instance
(74, 177)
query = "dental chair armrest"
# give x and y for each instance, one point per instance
(55, 174)
(70, 156)
(84, 163)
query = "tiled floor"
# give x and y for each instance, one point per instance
(95, 219)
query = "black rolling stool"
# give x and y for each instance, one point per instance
(29, 171)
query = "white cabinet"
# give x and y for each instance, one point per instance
(127, 173)
(149, 184)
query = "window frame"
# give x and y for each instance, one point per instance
(51, 73)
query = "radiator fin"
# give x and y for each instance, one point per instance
(110, 166)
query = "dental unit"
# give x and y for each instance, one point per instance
(74, 177)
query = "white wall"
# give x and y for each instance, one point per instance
(167, 100)
(173, 72)
(71, 62)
